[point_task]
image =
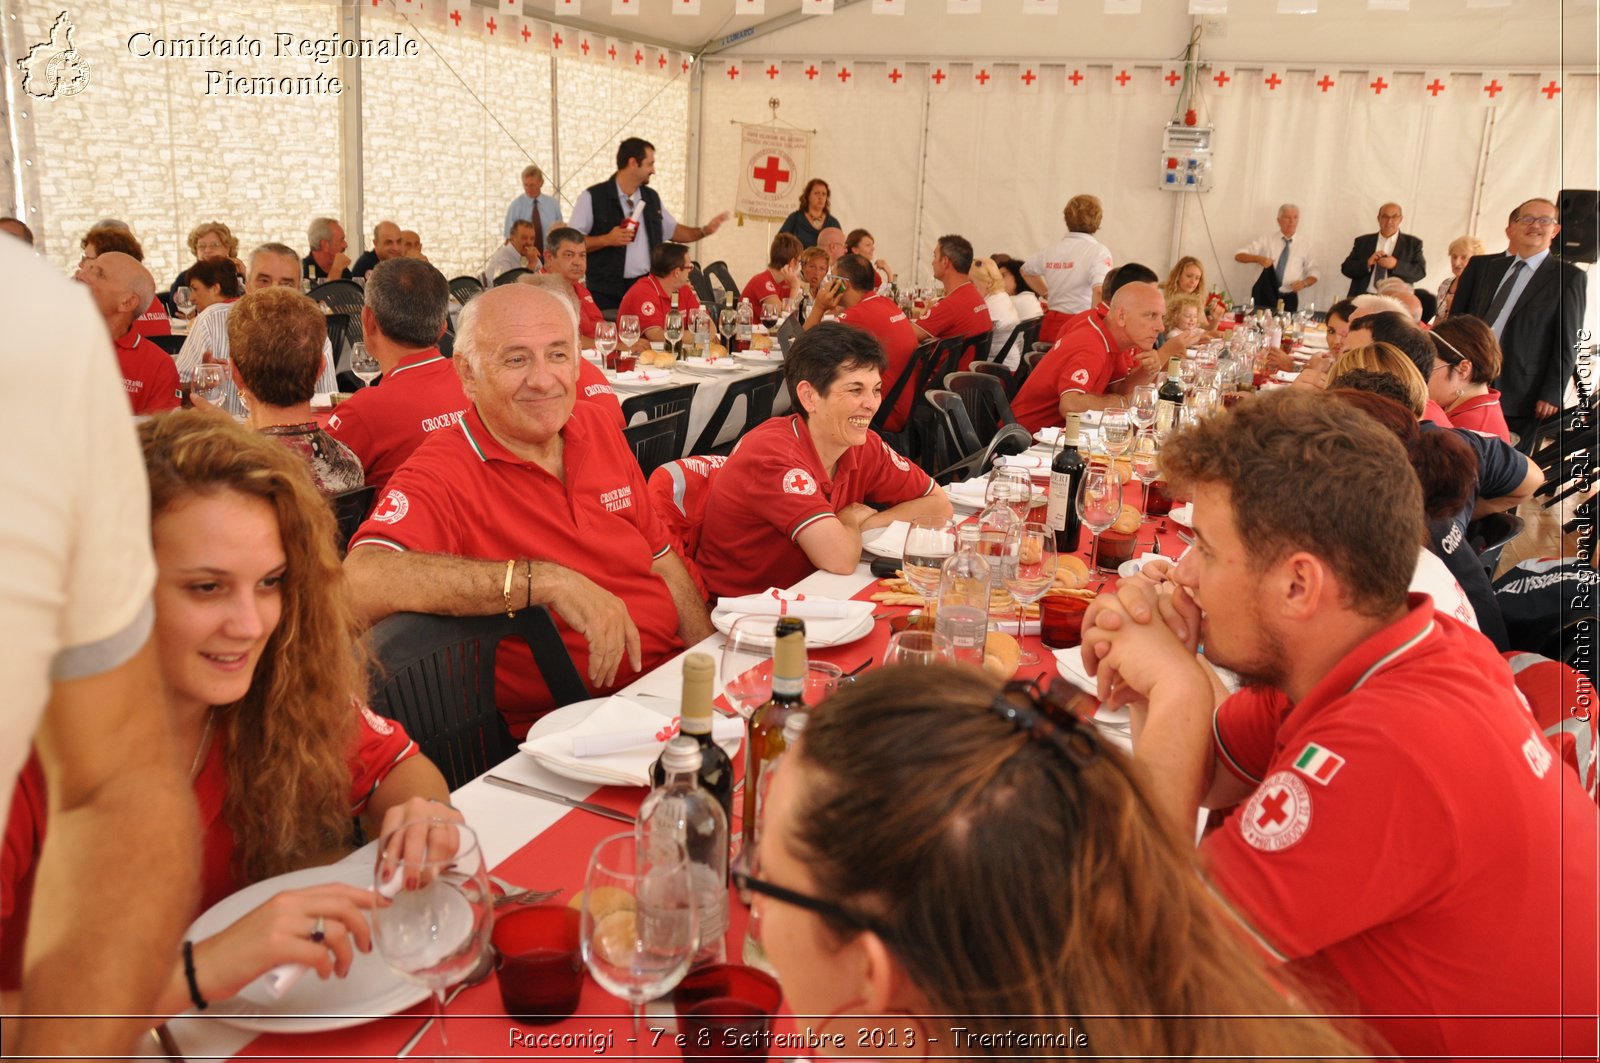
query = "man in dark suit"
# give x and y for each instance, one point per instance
(1386, 253)
(1534, 303)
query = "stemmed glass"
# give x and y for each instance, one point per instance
(673, 330)
(1011, 485)
(728, 324)
(639, 925)
(435, 929)
(1099, 504)
(916, 647)
(363, 364)
(183, 303)
(1115, 433)
(929, 543)
(747, 662)
(628, 331)
(1146, 463)
(1142, 406)
(605, 341)
(208, 378)
(1028, 571)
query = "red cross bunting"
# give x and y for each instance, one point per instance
(1494, 88)
(1221, 78)
(1029, 77)
(844, 75)
(638, 57)
(773, 71)
(1550, 90)
(1272, 82)
(1434, 87)
(685, 64)
(612, 52)
(556, 40)
(1377, 85)
(527, 35)
(938, 77)
(1075, 77)
(1272, 812)
(585, 47)
(812, 72)
(770, 174)
(661, 60)
(1173, 77)
(455, 16)
(1122, 78)
(490, 26)
(981, 77)
(1326, 83)
(895, 75)
(733, 73)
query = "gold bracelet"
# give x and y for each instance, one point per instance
(530, 583)
(511, 568)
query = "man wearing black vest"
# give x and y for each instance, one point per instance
(619, 250)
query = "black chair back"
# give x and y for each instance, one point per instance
(657, 404)
(702, 287)
(464, 288)
(342, 297)
(914, 375)
(658, 441)
(171, 344)
(350, 508)
(758, 393)
(985, 399)
(1489, 534)
(435, 675)
(959, 441)
(1007, 378)
(1011, 439)
(511, 276)
(718, 271)
(1022, 338)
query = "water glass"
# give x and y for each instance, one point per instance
(363, 364)
(929, 542)
(628, 331)
(1028, 571)
(916, 647)
(208, 378)
(1116, 432)
(1099, 502)
(1146, 463)
(605, 342)
(1142, 406)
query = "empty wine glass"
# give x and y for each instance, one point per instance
(1029, 569)
(728, 324)
(183, 303)
(605, 342)
(1099, 503)
(1146, 463)
(639, 924)
(916, 647)
(628, 331)
(1115, 432)
(929, 543)
(1011, 485)
(208, 378)
(363, 364)
(747, 662)
(435, 926)
(1142, 406)
(673, 329)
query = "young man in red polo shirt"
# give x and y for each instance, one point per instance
(532, 498)
(1096, 362)
(962, 311)
(792, 498)
(121, 288)
(1401, 832)
(855, 289)
(407, 308)
(567, 257)
(651, 295)
(768, 289)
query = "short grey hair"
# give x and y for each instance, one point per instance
(321, 229)
(1285, 208)
(532, 170)
(273, 249)
(557, 287)
(467, 343)
(411, 301)
(1367, 303)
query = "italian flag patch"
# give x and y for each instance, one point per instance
(1318, 764)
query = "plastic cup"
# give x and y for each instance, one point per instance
(539, 962)
(725, 1012)
(1061, 620)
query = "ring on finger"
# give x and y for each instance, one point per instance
(318, 931)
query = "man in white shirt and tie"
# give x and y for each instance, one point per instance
(1375, 257)
(1287, 267)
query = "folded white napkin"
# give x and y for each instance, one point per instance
(891, 539)
(787, 603)
(1024, 461)
(723, 729)
(614, 715)
(968, 492)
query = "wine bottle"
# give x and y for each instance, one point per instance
(695, 713)
(1169, 397)
(1066, 472)
(764, 740)
(753, 954)
(681, 809)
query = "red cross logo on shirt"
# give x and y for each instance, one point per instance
(1378, 85)
(895, 75)
(938, 77)
(1173, 77)
(1272, 812)
(1551, 89)
(1434, 87)
(1273, 82)
(1326, 83)
(812, 72)
(773, 71)
(1278, 814)
(1029, 77)
(733, 73)
(455, 16)
(1075, 77)
(981, 77)
(799, 482)
(771, 175)
(1123, 77)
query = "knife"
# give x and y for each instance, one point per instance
(560, 799)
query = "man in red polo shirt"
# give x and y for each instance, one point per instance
(1096, 362)
(865, 309)
(121, 288)
(792, 497)
(532, 498)
(407, 308)
(962, 311)
(768, 289)
(651, 295)
(567, 257)
(1402, 834)
(593, 386)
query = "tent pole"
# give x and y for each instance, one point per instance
(555, 130)
(922, 178)
(351, 169)
(697, 117)
(1481, 175)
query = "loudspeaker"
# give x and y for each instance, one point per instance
(1580, 209)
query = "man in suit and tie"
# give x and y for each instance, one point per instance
(1534, 303)
(1287, 268)
(1376, 257)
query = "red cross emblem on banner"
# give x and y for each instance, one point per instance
(490, 26)
(585, 47)
(773, 71)
(455, 16)
(895, 75)
(1272, 82)
(661, 60)
(1434, 87)
(1494, 88)
(1075, 77)
(527, 35)
(638, 57)
(557, 41)
(1326, 83)
(1123, 77)
(1550, 90)
(1377, 85)
(1221, 78)
(685, 64)
(1029, 77)
(939, 76)
(981, 77)
(1173, 77)
(812, 72)
(612, 52)
(844, 75)
(733, 73)
(771, 174)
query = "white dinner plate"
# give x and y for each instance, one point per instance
(371, 990)
(1183, 514)
(570, 716)
(767, 358)
(819, 633)
(1048, 435)
(700, 365)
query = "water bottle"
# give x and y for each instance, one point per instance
(701, 332)
(747, 318)
(681, 808)
(965, 584)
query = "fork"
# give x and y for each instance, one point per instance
(518, 895)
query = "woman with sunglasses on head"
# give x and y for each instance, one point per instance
(1003, 873)
(1469, 359)
(264, 682)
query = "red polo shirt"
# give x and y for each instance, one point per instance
(763, 286)
(961, 312)
(383, 425)
(594, 388)
(1084, 360)
(1414, 836)
(148, 374)
(588, 311)
(464, 493)
(154, 321)
(774, 486)
(1482, 413)
(649, 301)
(886, 321)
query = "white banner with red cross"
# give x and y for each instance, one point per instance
(774, 164)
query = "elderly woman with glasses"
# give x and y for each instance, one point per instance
(1005, 874)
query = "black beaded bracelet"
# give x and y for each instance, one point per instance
(200, 1002)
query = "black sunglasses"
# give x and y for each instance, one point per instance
(1045, 714)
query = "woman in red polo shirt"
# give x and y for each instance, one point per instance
(262, 672)
(1468, 347)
